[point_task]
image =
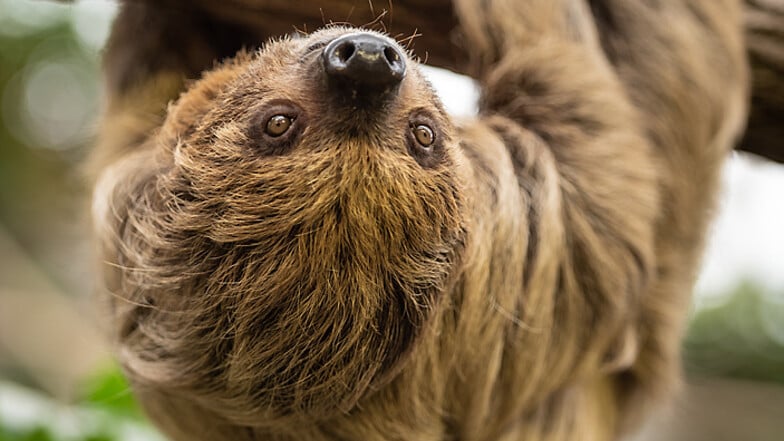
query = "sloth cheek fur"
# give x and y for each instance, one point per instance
(281, 285)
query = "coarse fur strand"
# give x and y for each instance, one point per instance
(528, 281)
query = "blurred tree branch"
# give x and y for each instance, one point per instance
(765, 39)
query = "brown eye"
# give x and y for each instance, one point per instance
(424, 141)
(424, 135)
(278, 125)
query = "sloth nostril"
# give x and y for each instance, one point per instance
(345, 51)
(392, 56)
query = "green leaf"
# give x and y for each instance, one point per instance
(110, 391)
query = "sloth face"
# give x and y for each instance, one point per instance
(284, 239)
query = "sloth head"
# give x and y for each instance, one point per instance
(280, 244)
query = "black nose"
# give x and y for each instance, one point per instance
(365, 60)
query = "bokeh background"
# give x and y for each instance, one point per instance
(57, 380)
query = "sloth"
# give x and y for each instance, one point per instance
(304, 245)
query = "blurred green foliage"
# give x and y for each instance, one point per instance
(37, 433)
(741, 336)
(110, 391)
(49, 103)
(107, 411)
(24, 168)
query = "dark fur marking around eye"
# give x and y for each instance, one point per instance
(268, 143)
(427, 156)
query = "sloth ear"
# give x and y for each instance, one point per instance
(622, 352)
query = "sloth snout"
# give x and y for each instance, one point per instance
(364, 61)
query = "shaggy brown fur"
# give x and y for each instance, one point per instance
(528, 280)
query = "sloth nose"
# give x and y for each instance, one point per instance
(365, 61)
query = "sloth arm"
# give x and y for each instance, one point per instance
(594, 164)
(564, 188)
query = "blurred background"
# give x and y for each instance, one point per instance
(57, 380)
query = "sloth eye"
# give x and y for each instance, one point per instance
(278, 125)
(424, 135)
(424, 143)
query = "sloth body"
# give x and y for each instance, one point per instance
(296, 257)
